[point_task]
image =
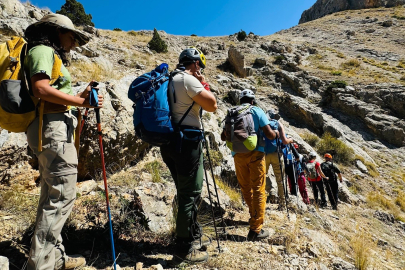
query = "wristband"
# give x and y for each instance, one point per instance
(205, 85)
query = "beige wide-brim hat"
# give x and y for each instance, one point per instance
(63, 22)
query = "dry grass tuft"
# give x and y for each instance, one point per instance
(352, 63)
(87, 71)
(376, 199)
(362, 246)
(233, 193)
(400, 201)
(17, 203)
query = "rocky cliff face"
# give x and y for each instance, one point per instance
(325, 7)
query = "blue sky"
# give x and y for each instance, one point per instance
(203, 18)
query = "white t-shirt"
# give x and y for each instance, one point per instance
(186, 87)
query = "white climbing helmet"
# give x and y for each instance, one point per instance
(247, 93)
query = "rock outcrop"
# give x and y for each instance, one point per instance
(325, 7)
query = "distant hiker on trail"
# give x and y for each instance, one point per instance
(331, 184)
(272, 158)
(315, 176)
(184, 155)
(242, 135)
(299, 167)
(49, 43)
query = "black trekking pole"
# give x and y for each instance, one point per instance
(212, 208)
(282, 175)
(213, 180)
(294, 173)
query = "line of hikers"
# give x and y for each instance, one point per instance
(254, 138)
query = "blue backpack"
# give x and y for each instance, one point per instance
(152, 115)
(271, 145)
(288, 156)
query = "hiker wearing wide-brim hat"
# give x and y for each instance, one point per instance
(62, 22)
(50, 135)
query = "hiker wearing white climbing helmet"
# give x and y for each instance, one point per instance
(314, 176)
(331, 184)
(51, 135)
(244, 126)
(184, 156)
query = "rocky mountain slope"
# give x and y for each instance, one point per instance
(339, 84)
(325, 7)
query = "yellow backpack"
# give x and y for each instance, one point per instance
(17, 107)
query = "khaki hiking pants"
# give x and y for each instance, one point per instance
(273, 160)
(251, 173)
(58, 173)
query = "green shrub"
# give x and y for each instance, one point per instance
(117, 29)
(75, 11)
(311, 139)
(193, 35)
(157, 43)
(154, 169)
(279, 58)
(132, 33)
(259, 81)
(337, 84)
(343, 153)
(336, 72)
(241, 35)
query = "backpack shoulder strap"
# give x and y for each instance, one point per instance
(171, 76)
(56, 69)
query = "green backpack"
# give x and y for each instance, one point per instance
(240, 131)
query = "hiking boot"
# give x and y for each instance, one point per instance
(202, 243)
(334, 207)
(323, 205)
(188, 254)
(254, 236)
(74, 262)
(271, 199)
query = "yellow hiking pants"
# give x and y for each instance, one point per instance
(251, 173)
(273, 160)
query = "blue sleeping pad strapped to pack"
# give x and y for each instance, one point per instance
(152, 117)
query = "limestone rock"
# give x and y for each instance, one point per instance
(91, 30)
(237, 60)
(322, 240)
(120, 143)
(340, 264)
(156, 267)
(4, 264)
(234, 95)
(86, 187)
(384, 217)
(361, 166)
(157, 200)
(346, 196)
